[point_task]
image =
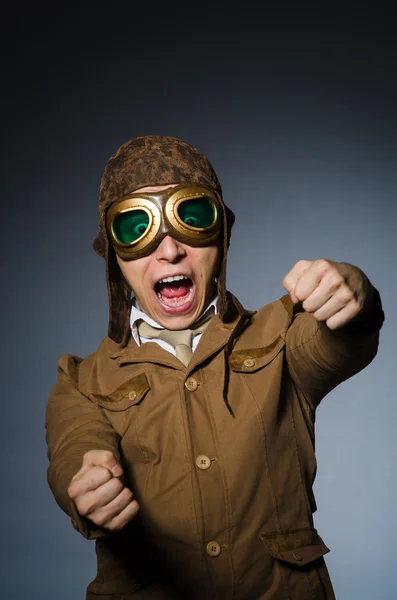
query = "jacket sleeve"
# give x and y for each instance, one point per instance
(74, 425)
(319, 358)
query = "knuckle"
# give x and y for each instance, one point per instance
(132, 510)
(114, 526)
(133, 506)
(300, 293)
(121, 520)
(85, 506)
(104, 456)
(346, 294)
(82, 508)
(73, 490)
(112, 522)
(301, 263)
(107, 454)
(99, 519)
(99, 475)
(334, 280)
(128, 495)
(94, 477)
(98, 455)
(113, 489)
(323, 264)
(117, 485)
(356, 306)
(319, 316)
(88, 457)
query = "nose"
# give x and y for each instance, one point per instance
(170, 250)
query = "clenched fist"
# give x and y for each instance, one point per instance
(99, 494)
(333, 292)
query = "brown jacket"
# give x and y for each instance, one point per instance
(224, 480)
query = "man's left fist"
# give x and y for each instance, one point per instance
(333, 292)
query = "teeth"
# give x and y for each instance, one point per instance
(175, 302)
(174, 278)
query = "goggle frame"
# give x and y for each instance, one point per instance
(162, 210)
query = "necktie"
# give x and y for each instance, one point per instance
(180, 339)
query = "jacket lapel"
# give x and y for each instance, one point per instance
(214, 338)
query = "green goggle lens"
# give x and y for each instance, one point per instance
(130, 225)
(198, 212)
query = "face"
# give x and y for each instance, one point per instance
(175, 283)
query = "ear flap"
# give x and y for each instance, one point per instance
(119, 293)
(228, 220)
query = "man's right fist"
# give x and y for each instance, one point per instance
(98, 493)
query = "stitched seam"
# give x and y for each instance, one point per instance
(226, 494)
(149, 360)
(237, 358)
(305, 342)
(262, 424)
(264, 343)
(314, 584)
(147, 480)
(311, 434)
(295, 380)
(143, 452)
(189, 455)
(298, 461)
(122, 382)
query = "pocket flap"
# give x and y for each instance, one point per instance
(295, 546)
(131, 392)
(252, 359)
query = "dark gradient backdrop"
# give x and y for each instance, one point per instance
(297, 112)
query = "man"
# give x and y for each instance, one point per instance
(185, 444)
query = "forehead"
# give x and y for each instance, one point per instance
(155, 188)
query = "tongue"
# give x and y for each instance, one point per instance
(169, 291)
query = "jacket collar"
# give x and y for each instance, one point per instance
(215, 337)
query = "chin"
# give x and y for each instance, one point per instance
(177, 321)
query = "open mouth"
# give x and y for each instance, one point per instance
(175, 293)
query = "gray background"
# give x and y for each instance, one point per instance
(296, 110)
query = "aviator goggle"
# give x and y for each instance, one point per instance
(189, 213)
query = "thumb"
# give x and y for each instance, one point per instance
(101, 458)
(293, 276)
(290, 286)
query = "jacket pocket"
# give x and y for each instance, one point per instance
(128, 394)
(300, 552)
(252, 359)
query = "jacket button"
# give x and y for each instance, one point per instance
(296, 556)
(249, 362)
(132, 395)
(203, 462)
(213, 549)
(191, 384)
